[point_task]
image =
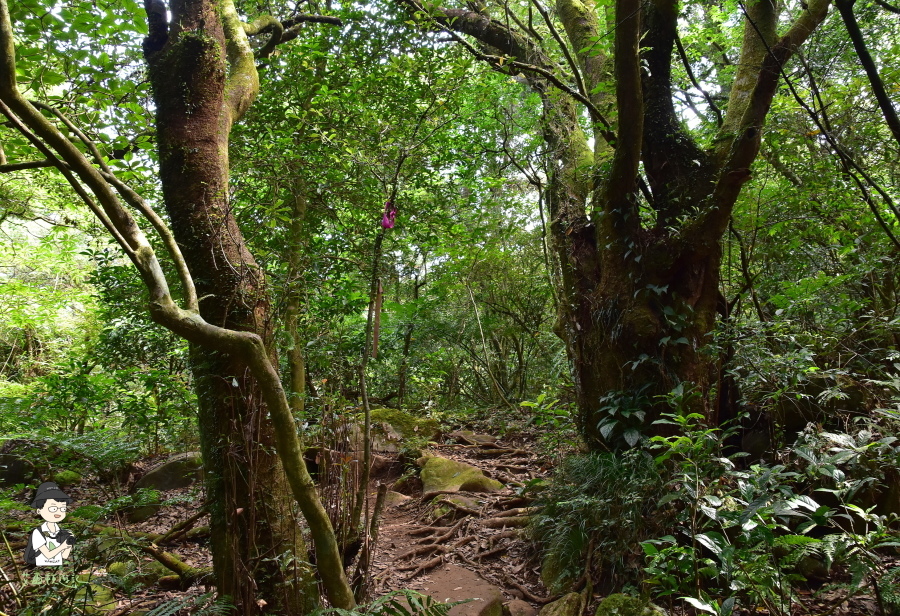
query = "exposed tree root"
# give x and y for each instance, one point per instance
(459, 507)
(518, 511)
(514, 468)
(181, 528)
(497, 452)
(128, 609)
(186, 574)
(528, 594)
(449, 533)
(516, 501)
(492, 552)
(422, 549)
(423, 530)
(500, 522)
(430, 564)
(506, 534)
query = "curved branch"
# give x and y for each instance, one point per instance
(137, 202)
(63, 168)
(89, 144)
(270, 24)
(525, 56)
(34, 164)
(690, 73)
(243, 78)
(888, 7)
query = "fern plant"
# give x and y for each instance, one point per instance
(403, 602)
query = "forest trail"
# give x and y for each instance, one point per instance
(462, 544)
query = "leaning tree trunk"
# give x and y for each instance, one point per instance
(259, 557)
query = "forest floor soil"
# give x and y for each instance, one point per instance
(457, 546)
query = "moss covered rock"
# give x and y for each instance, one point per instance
(147, 572)
(625, 605)
(67, 478)
(567, 605)
(444, 475)
(93, 598)
(178, 471)
(393, 428)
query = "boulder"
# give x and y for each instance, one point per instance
(15, 470)
(93, 598)
(179, 471)
(391, 428)
(444, 475)
(567, 605)
(395, 499)
(149, 572)
(67, 478)
(517, 607)
(625, 605)
(143, 513)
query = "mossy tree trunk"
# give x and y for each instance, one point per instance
(637, 219)
(203, 79)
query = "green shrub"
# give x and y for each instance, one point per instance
(599, 503)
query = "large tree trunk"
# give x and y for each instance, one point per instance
(637, 222)
(258, 552)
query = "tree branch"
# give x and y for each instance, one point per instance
(760, 32)
(888, 7)
(845, 7)
(690, 73)
(630, 104)
(525, 56)
(243, 79)
(562, 45)
(745, 145)
(579, 18)
(271, 25)
(35, 164)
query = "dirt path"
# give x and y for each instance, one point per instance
(465, 545)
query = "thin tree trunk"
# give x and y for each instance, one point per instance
(294, 291)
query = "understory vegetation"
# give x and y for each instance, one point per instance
(653, 245)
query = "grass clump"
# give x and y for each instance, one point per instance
(593, 517)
